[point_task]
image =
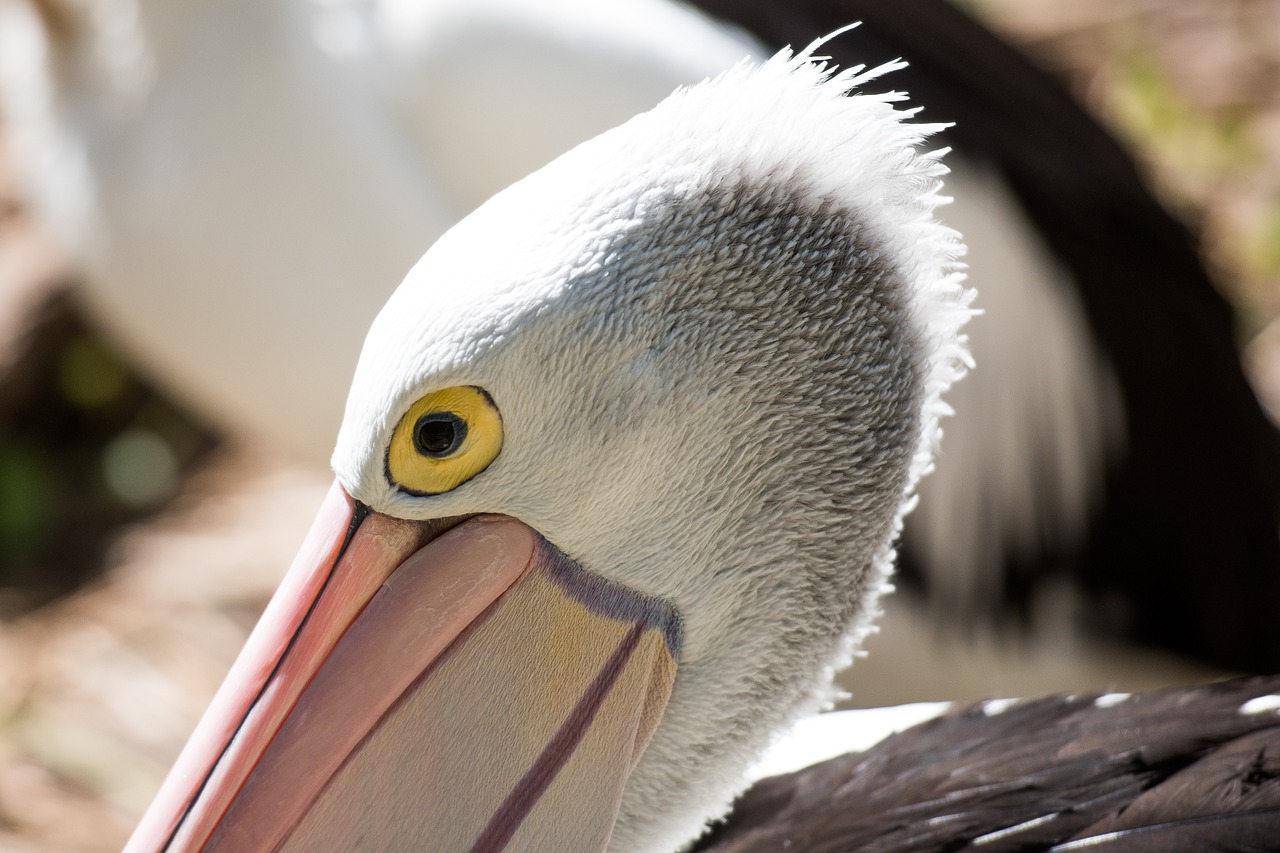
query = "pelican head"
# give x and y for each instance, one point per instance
(618, 484)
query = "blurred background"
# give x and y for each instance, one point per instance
(139, 539)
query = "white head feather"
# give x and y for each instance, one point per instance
(718, 336)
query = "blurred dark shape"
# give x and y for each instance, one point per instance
(86, 445)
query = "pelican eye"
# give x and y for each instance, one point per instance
(444, 439)
(439, 434)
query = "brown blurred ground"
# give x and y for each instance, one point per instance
(99, 690)
(1194, 87)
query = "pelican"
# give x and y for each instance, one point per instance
(297, 185)
(617, 490)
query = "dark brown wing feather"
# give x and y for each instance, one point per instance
(1227, 800)
(1176, 770)
(1187, 540)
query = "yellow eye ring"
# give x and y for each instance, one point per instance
(446, 438)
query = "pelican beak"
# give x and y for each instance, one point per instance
(424, 685)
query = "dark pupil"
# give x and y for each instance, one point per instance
(439, 433)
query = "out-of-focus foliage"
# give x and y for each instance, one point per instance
(86, 445)
(1194, 87)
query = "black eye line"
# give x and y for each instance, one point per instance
(400, 487)
(438, 435)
